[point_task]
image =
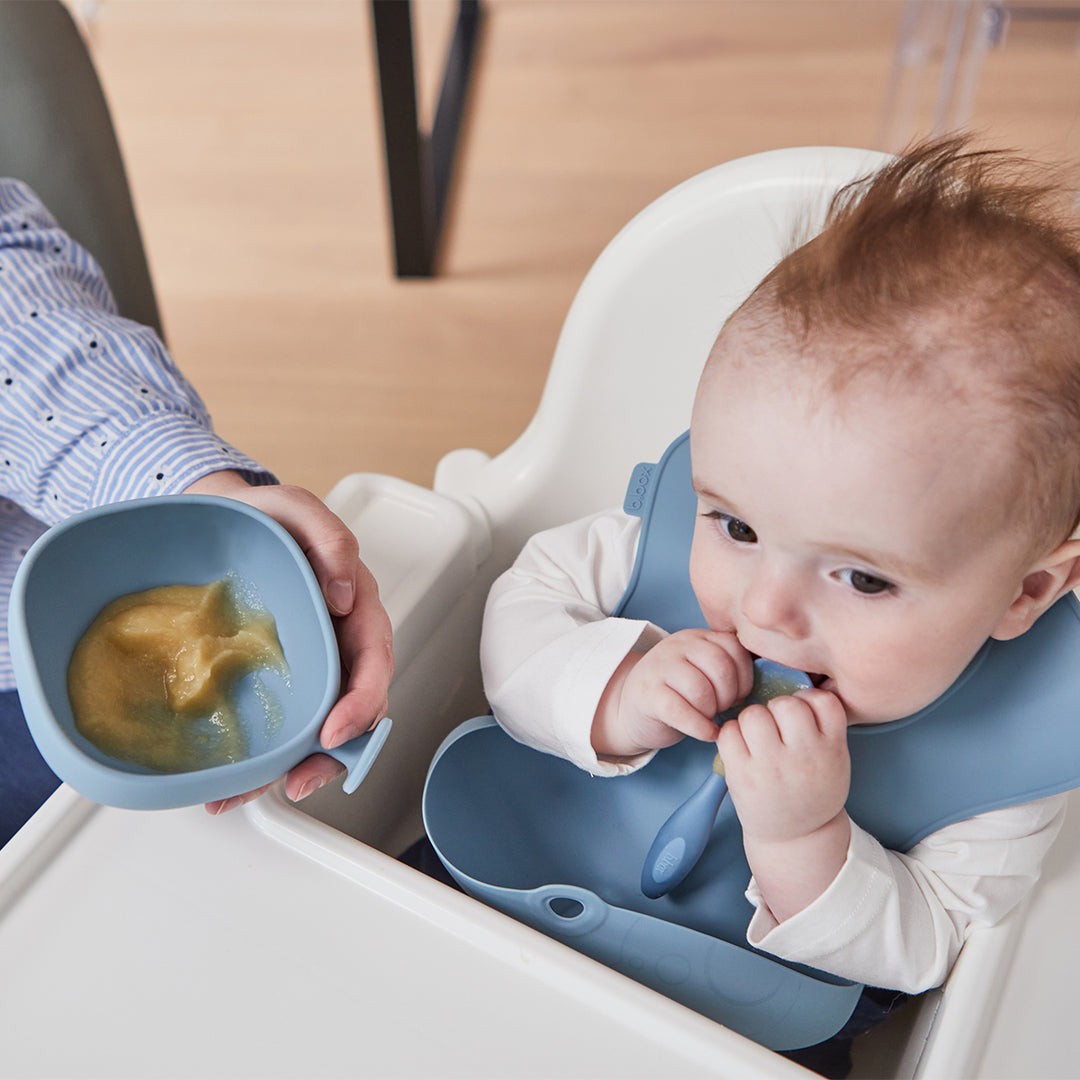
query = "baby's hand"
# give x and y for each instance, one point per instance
(788, 772)
(674, 689)
(787, 765)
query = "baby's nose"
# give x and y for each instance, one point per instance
(774, 600)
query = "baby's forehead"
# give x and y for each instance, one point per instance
(928, 380)
(858, 464)
(936, 357)
(944, 411)
(935, 364)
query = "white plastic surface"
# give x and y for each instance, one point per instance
(636, 337)
(269, 943)
(427, 547)
(266, 945)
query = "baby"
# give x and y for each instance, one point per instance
(885, 449)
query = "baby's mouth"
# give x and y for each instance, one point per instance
(816, 678)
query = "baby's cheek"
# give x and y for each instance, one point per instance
(710, 584)
(892, 693)
(716, 605)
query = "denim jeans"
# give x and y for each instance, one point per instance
(25, 780)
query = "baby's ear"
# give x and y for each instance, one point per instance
(1046, 583)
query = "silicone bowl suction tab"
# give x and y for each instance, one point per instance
(359, 754)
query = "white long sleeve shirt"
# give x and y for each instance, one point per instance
(888, 919)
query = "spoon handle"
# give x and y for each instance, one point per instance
(682, 839)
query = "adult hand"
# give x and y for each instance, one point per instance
(352, 597)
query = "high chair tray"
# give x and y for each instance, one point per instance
(268, 944)
(265, 944)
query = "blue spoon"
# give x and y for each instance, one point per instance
(683, 837)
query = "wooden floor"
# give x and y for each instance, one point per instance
(251, 134)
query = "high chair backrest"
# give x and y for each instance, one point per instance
(637, 335)
(57, 135)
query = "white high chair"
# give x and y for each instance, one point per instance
(287, 941)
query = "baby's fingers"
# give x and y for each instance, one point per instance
(763, 732)
(829, 713)
(714, 676)
(754, 734)
(731, 668)
(679, 714)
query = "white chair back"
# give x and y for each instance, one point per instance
(636, 337)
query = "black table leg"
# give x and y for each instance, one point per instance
(419, 164)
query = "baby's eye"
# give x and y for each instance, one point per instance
(864, 583)
(738, 530)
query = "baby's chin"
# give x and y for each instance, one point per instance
(861, 713)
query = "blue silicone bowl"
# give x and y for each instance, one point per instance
(84, 562)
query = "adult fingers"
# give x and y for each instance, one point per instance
(326, 541)
(365, 641)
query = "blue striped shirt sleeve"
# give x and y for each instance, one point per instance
(93, 409)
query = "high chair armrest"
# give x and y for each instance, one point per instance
(423, 548)
(456, 471)
(951, 1025)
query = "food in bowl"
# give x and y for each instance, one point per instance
(152, 680)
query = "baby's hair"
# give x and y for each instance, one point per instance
(955, 269)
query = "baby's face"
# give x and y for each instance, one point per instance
(860, 538)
